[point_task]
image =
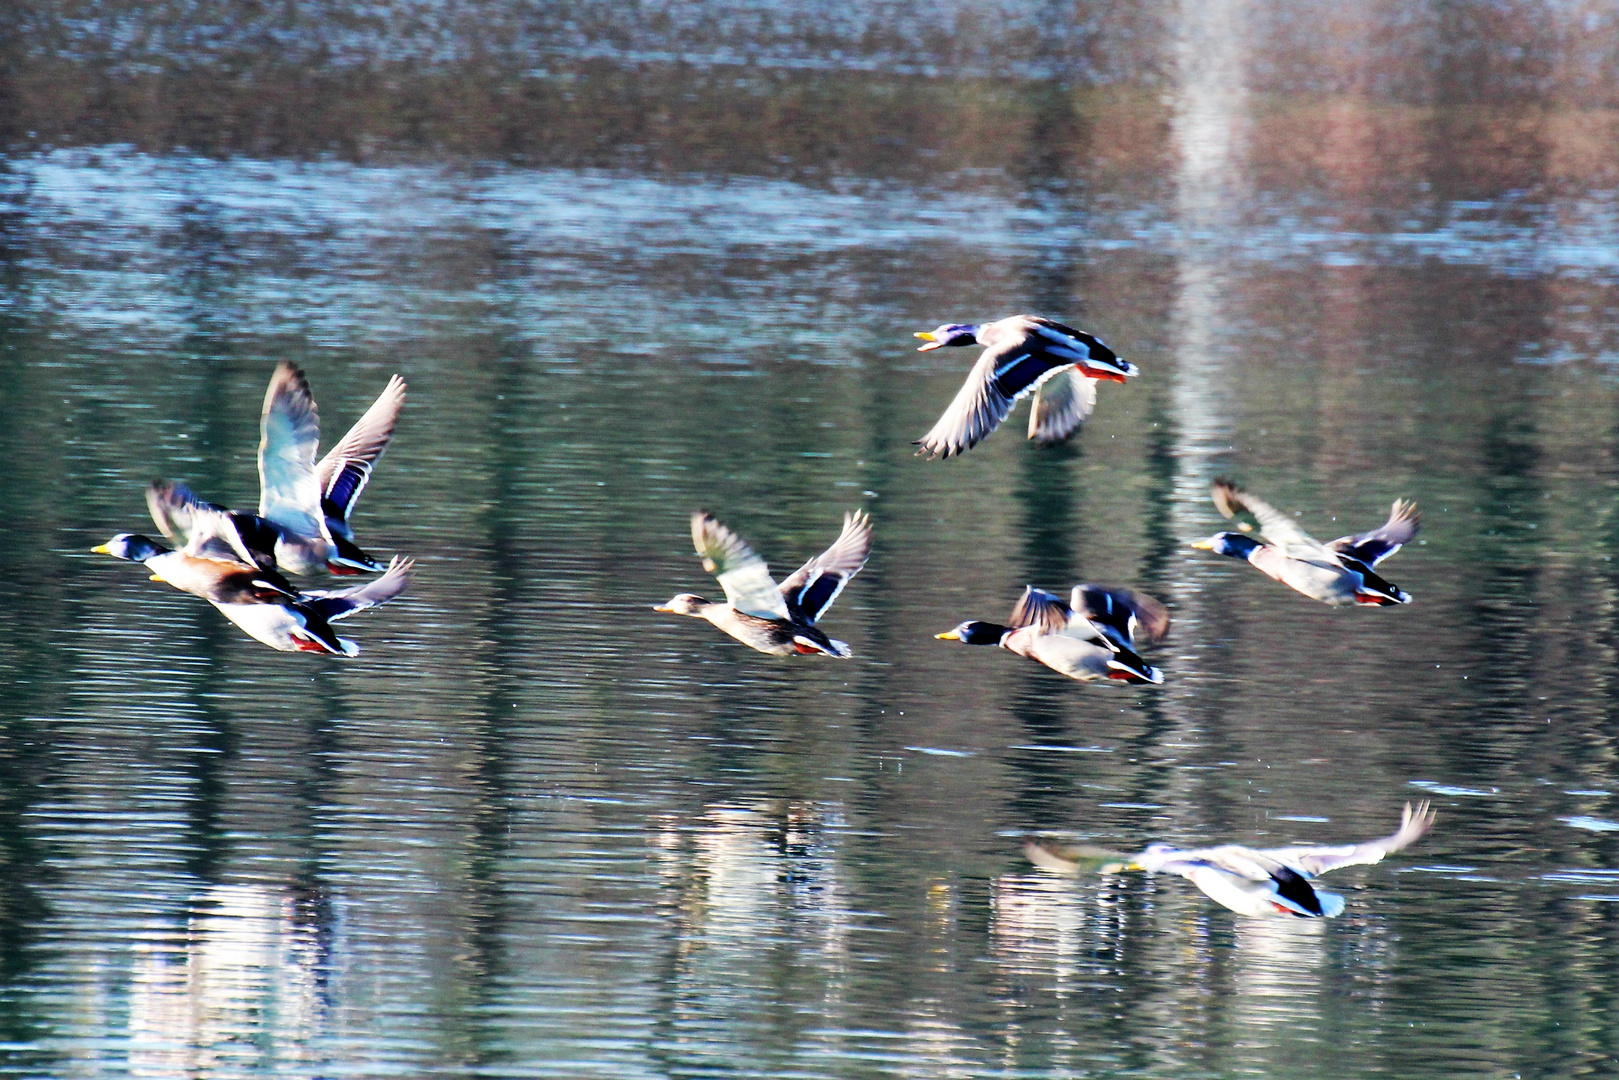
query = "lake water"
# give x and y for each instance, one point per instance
(636, 264)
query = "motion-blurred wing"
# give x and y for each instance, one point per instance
(812, 587)
(1051, 854)
(742, 574)
(1373, 547)
(201, 529)
(1002, 375)
(1274, 525)
(1119, 615)
(1414, 823)
(1061, 404)
(289, 489)
(346, 468)
(1036, 607)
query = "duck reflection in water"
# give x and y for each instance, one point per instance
(1093, 636)
(775, 619)
(1339, 573)
(1023, 354)
(1257, 882)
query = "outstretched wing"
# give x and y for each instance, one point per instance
(1414, 823)
(289, 490)
(343, 472)
(812, 587)
(1061, 404)
(1274, 525)
(1119, 615)
(335, 604)
(1373, 547)
(1049, 853)
(1003, 374)
(201, 529)
(742, 574)
(1036, 607)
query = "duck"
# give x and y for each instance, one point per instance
(1091, 636)
(260, 602)
(1339, 573)
(1023, 354)
(771, 618)
(302, 524)
(1255, 882)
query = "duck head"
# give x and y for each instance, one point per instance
(131, 546)
(1233, 544)
(948, 334)
(975, 632)
(684, 604)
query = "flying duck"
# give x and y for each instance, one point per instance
(302, 524)
(1250, 881)
(1091, 637)
(257, 600)
(1022, 354)
(775, 619)
(1339, 573)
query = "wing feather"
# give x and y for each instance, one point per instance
(1061, 404)
(289, 489)
(812, 587)
(1373, 547)
(1274, 525)
(368, 438)
(1036, 607)
(1414, 824)
(335, 604)
(1002, 375)
(741, 573)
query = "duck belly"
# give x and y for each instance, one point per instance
(1065, 655)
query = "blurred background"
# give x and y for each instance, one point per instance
(635, 259)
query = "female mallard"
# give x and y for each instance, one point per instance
(1022, 354)
(1259, 882)
(257, 600)
(1091, 637)
(1338, 573)
(775, 619)
(302, 524)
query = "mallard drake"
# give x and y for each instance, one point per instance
(1022, 354)
(1337, 573)
(302, 524)
(1250, 881)
(775, 619)
(1092, 636)
(257, 600)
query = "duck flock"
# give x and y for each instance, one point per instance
(237, 560)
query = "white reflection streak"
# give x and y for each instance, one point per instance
(1038, 926)
(1278, 977)
(240, 994)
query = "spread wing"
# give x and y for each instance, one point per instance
(1373, 547)
(742, 574)
(1274, 525)
(201, 529)
(1414, 823)
(812, 587)
(1004, 373)
(289, 489)
(1119, 615)
(1049, 853)
(335, 604)
(343, 472)
(1036, 607)
(1061, 404)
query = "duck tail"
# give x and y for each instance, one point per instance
(1128, 667)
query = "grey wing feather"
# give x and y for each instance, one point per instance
(1120, 615)
(1274, 525)
(200, 528)
(369, 436)
(1373, 547)
(1003, 374)
(1036, 607)
(289, 490)
(335, 604)
(813, 586)
(1414, 823)
(1061, 404)
(741, 573)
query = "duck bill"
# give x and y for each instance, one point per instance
(948, 635)
(1203, 545)
(932, 342)
(102, 549)
(662, 607)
